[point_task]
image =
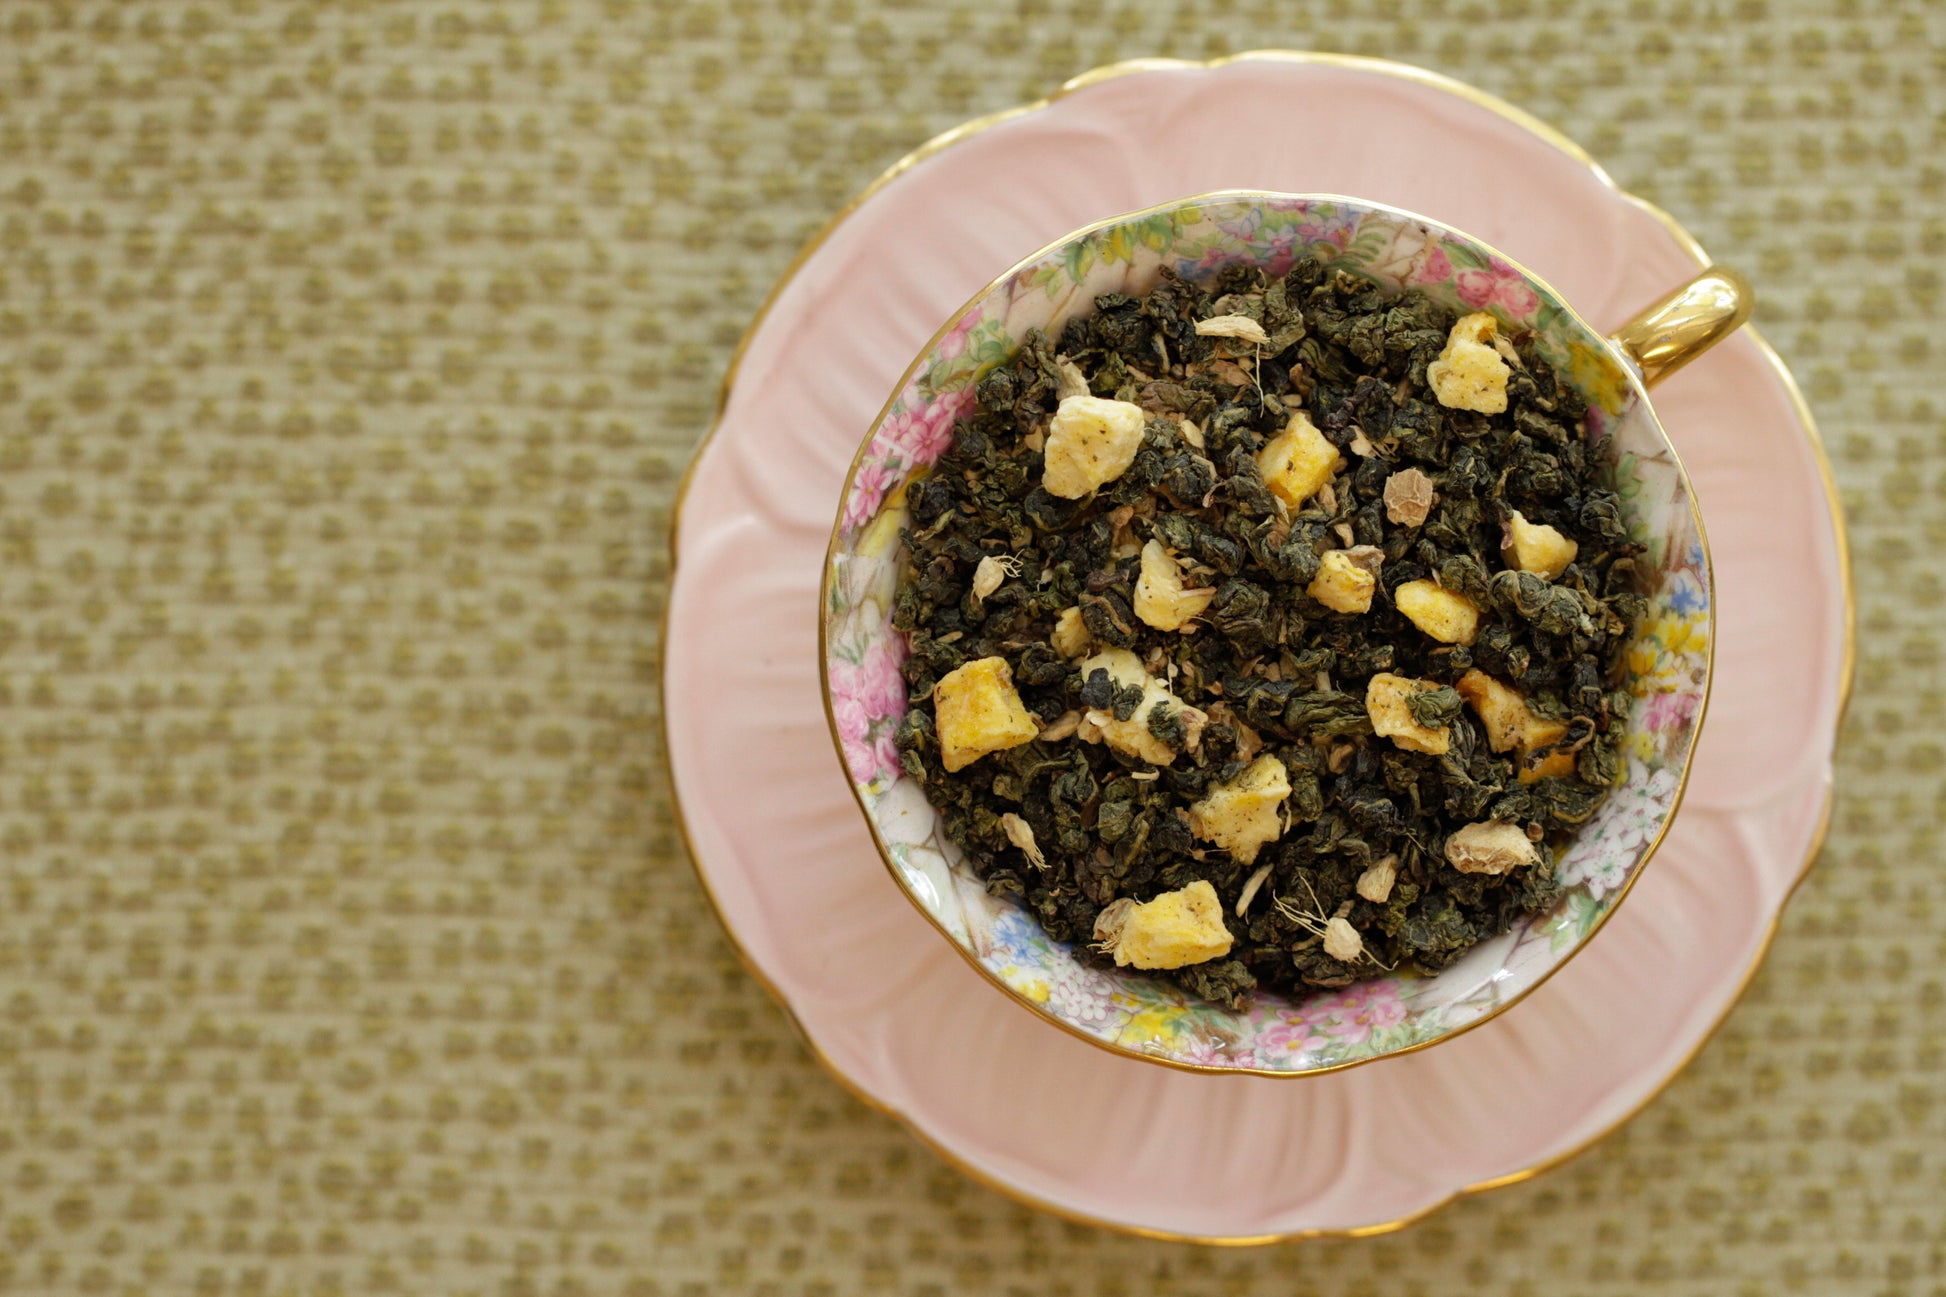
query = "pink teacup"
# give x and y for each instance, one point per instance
(1668, 663)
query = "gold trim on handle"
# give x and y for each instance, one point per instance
(1685, 323)
(1563, 144)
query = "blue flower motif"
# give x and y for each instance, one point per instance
(1689, 595)
(1015, 936)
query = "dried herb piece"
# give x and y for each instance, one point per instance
(1359, 783)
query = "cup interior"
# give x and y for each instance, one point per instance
(1667, 663)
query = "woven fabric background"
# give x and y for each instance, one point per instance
(349, 356)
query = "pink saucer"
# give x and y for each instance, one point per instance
(896, 1014)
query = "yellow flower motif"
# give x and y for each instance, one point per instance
(1679, 634)
(884, 530)
(1023, 981)
(1657, 659)
(1641, 746)
(1641, 659)
(1596, 374)
(1152, 1026)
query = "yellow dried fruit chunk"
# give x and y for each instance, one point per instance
(1537, 548)
(1446, 615)
(1298, 461)
(1173, 930)
(1510, 726)
(1388, 703)
(1490, 847)
(1071, 636)
(1240, 815)
(1132, 736)
(1160, 597)
(1347, 578)
(977, 710)
(1469, 374)
(1554, 764)
(1090, 441)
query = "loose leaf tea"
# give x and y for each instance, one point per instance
(1283, 590)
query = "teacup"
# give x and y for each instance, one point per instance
(1668, 662)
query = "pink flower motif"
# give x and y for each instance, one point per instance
(1670, 711)
(868, 488)
(954, 342)
(1438, 268)
(1498, 285)
(921, 435)
(1205, 1049)
(867, 698)
(1356, 1012)
(1336, 232)
(866, 702)
(885, 752)
(854, 733)
(881, 685)
(1290, 1036)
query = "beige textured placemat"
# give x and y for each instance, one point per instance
(348, 357)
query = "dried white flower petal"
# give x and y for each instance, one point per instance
(1409, 497)
(1250, 887)
(1341, 940)
(1375, 884)
(1021, 834)
(1490, 847)
(1109, 923)
(1234, 326)
(1072, 381)
(1062, 726)
(991, 572)
(1366, 558)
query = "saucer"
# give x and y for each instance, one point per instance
(890, 1008)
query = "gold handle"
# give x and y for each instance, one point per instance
(1686, 323)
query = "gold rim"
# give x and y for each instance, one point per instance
(1637, 382)
(1562, 143)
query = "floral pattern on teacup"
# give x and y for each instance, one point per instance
(1667, 665)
